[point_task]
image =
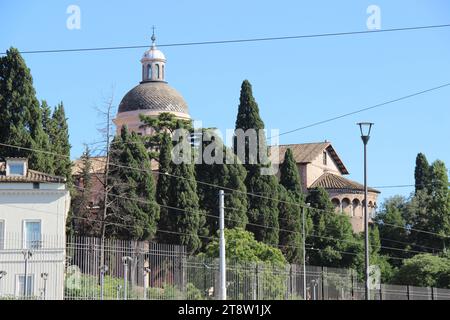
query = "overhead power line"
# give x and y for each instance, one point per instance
(233, 41)
(216, 186)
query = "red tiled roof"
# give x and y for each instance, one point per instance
(32, 176)
(307, 152)
(333, 181)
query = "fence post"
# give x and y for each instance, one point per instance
(323, 282)
(432, 294)
(407, 292)
(381, 292)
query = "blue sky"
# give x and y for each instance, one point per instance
(296, 82)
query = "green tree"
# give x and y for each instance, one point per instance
(59, 140)
(332, 238)
(21, 120)
(262, 201)
(220, 167)
(242, 247)
(163, 186)
(393, 229)
(423, 270)
(290, 210)
(82, 220)
(132, 210)
(422, 173)
(185, 219)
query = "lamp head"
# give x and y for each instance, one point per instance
(365, 128)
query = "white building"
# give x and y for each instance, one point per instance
(33, 212)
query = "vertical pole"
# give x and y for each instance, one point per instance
(125, 279)
(102, 282)
(304, 254)
(222, 266)
(366, 223)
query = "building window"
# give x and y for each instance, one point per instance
(25, 288)
(157, 71)
(162, 72)
(325, 158)
(149, 72)
(32, 234)
(2, 234)
(36, 185)
(16, 169)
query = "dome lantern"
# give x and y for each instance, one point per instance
(153, 63)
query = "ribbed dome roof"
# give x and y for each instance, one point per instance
(153, 95)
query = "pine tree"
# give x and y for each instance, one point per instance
(185, 219)
(290, 210)
(21, 120)
(133, 212)
(229, 174)
(422, 173)
(262, 208)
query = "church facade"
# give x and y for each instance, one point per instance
(318, 163)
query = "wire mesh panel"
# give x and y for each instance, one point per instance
(441, 294)
(418, 293)
(394, 292)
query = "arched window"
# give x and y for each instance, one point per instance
(157, 71)
(345, 205)
(149, 72)
(162, 72)
(336, 204)
(356, 208)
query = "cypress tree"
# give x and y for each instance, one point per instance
(21, 120)
(290, 210)
(59, 139)
(132, 195)
(163, 185)
(185, 220)
(229, 174)
(262, 209)
(422, 173)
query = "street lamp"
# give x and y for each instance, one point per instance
(125, 261)
(366, 128)
(147, 271)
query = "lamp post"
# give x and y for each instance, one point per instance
(147, 271)
(27, 254)
(366, 128)
(125, 261)
(103, 270)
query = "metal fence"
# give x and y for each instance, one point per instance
(87, 269)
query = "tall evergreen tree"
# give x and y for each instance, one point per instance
(21, 120)
(133, 212)
(290, 210)
(59, 139)
(163, 186)
(81, 220)
(422, 173)
(229, 174)
(185, 219)
(262, 208)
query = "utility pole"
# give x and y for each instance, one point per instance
(222, 261)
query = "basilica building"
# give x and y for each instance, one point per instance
(318, 163)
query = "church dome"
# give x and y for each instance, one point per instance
(154, 96)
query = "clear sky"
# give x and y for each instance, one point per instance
(295, 82)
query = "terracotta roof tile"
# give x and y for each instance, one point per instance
(333, 181)
(307, 152)
(32, 176)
